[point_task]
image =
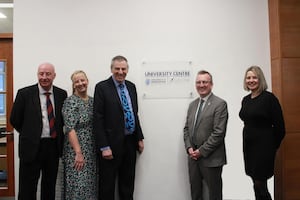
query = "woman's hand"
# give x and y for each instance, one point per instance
(79, 161)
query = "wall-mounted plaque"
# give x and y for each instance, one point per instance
(167, 79)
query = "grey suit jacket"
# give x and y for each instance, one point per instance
(209, 131)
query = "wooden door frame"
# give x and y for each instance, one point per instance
(10, 190)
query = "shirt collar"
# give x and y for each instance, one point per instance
(42, 91)
(116, 82)
(205, 98)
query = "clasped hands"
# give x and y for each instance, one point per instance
(194, 154)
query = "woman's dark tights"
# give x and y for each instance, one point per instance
(261, 190)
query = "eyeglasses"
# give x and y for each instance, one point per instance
(203, 82)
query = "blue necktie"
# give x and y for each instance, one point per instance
(129, 117)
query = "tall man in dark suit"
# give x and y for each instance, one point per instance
(40, 142)
(118, 132)
(204, 134)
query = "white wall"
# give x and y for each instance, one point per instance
(224, 37)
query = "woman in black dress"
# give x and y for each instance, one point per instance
(263, 131)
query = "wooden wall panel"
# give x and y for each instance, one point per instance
(291, 94)
(290, 28)
(6, 52)
(292, 165)
(276, 78)
(285, 66)
(274, 29)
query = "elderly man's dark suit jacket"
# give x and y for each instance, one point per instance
(26, 118)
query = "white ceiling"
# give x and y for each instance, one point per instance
(6, 25)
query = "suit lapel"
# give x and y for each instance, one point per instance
(114, 92)
(57, 101)
(36, 101)
(132, 97)
(205, 109)
(194, 107)
(194, 110)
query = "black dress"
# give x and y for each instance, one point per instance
(262, 134)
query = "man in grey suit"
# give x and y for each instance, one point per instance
(204, 134)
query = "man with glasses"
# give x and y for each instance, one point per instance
(204, 134)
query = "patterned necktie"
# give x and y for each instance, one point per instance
(51, 117)
(129, 117)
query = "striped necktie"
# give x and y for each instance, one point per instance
(51, 117)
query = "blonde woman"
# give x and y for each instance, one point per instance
(79, 154)
(263, 131)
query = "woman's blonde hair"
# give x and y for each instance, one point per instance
(72, 78)
(262, 84)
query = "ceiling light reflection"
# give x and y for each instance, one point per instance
(6, 5)
(2, 16)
